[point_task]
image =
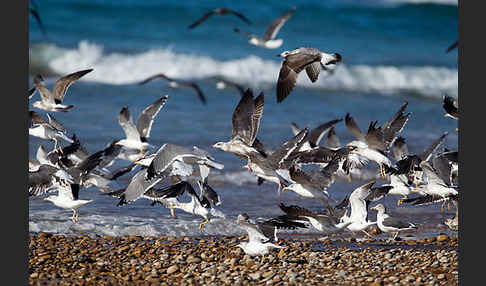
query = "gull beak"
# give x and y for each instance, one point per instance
(136, 163)
(373, 208)
(285, 188)
(245, 166)
(45, 199)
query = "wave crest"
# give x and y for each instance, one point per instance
(253, 71)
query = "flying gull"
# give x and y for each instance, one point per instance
(245, 122)
(452, 46)
(68, 198)
(325, 223)
(410, 164)
(35, 14)
(46, 178)
(387, 223)
(136, 136)
(161, 165)
(316, 134)
(358, 218)
(313, 185)
(218, 11)
(272, 167)
(222, 83)
(268, 40)
(259, 240)
(174, 83)
(200, 205)
(51, 130)
(52, 101)
(400, 149)
(295, 61)
(377, 141)
(450, 107)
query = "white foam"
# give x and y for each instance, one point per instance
(253, 71)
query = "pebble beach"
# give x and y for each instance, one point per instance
(56, 259)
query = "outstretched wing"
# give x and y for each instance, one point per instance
(146, 118)
(277, 24)
(63, 83)
(126, 122)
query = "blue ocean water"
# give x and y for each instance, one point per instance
(393, 51)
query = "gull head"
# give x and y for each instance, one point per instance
(221, 145)
(379, 208)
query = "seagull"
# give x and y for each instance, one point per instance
(438, 186)
(358, 218)
(101, 180)
(315, 135)
(313, 185)
(387, 223)
(136, 136)
(46, 178)
(199, 205)
(68, 198)
(450, 107)
(222, 83)
(452, 46)
(295, 61)
(246, 122)
(268, 40)
(218, 11)
(162, 165)
(272, 167)
(325, 223)
(174, 83)
(400, 186)
(259, 239)
(410, 164)
(377, 140)
(52, 101)
(51, 130)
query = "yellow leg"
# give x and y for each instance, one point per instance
(172, 180)
(400, 201)
(172, 211)
(350, 179)
(448, 205)
(382, 172)
(442, 206)
(367, 233)
(203, 223)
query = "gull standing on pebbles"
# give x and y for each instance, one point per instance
(295, 61)
(51, 101)
(259, 242)
(268, 40)
(387, 223)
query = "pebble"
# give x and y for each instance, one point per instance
(162, 260)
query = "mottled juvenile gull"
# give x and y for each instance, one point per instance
(268, 40)
(218, 11)
(51, 101)
(245, 125)
(295, 61)
(387, 223)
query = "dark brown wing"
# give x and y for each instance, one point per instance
(160, 75)
(353, 128)
(62, 84)
(313, 71)
(257, 115)
(197, 88)
(277, 24)
(374, 137)
(202, 19)
(243, 118)
(316, 134)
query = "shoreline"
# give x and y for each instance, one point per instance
(164, 260)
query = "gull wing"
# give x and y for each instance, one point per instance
(353, 128)
(242, 119)
(45, 94)
(313, 71)
(146, 118)
(431, 174)
(126, 122)
(332, 140)
(282, 152)
(425, 156)
(277, 24)
(63, 83)
(374, 138)
(316, 134)
(257, 115)
(202, 19)
(159, 75)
